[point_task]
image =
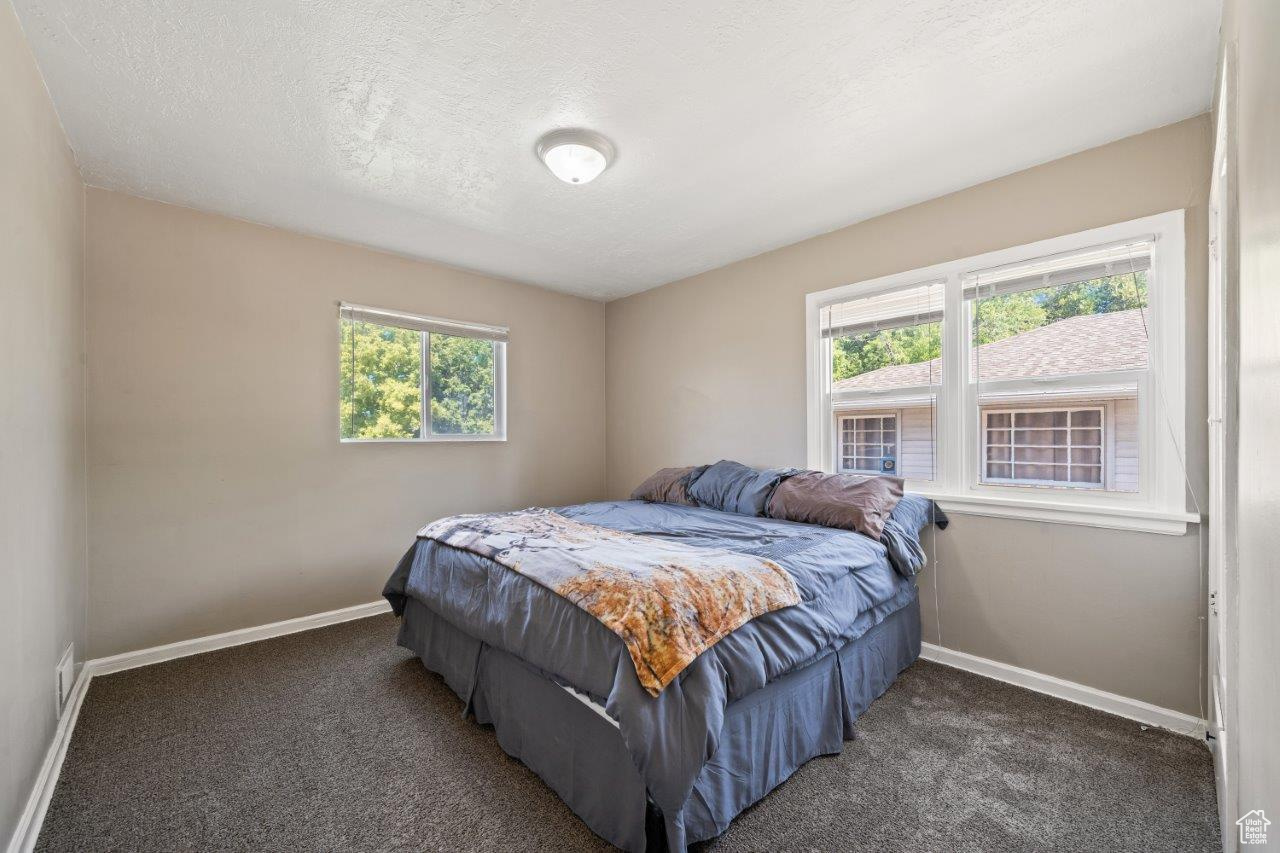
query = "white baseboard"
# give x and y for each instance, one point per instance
(1112, 703)
(32, 818)
(185, 648)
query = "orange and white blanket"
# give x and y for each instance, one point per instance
(668, 602)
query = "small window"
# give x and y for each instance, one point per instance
(869, 444)
(1044, 447)
(410, 378)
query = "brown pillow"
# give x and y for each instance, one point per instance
(847, 501)
(669, 486)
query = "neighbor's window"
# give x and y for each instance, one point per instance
(869, 444)
(407, 377)
(1051, 447)
(1049, 374)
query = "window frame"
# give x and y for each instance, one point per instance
(444, 327)
(1159, 505)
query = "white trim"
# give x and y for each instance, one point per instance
(870, 395)
(1112, 703)
(29, 823)
(64, 687)
(845, 407)
(186, 648)
(32, 817)
(1081, 384)
(1056, 511)
(1222, 582)
(1160, 505)
(1059, 397)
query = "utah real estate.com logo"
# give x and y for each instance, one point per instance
(1253, 827)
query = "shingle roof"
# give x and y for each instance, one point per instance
(1086, 344)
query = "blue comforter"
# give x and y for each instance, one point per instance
(847, 583)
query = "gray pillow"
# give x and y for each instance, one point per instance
(901, 534)
(669, 485)
(734, 487)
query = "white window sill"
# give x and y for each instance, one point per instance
(1142, 519)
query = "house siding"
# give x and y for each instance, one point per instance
(916, 433)
(1124, 445)
(917, 429)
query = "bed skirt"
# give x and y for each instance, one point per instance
(577, 750)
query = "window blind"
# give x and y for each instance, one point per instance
(419, 323)
(894, 309)
(1055, 270)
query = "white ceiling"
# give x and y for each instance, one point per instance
(740, 126)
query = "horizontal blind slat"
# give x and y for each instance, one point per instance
(1070, 268)
(420, 323)
(894, 309)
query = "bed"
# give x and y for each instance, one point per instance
(648, 769)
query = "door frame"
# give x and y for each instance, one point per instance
(1223, 433)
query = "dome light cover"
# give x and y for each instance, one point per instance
(575, 156)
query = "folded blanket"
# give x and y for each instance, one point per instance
(668, 602)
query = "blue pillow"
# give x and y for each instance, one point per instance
(734, 487)
(901, 534)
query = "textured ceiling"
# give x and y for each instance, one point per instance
(740, 126)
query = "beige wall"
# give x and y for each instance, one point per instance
(42, 498)
(713, 367)
(1252, 29)
(220, 497)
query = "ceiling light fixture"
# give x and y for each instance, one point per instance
(574, 155)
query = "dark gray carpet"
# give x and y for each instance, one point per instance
(336, 740)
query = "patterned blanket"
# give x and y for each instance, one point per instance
(668, 602)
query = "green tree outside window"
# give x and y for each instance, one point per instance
(380, 369)
(380, 383)
(995, 319)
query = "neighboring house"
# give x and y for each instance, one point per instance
(1083, 435)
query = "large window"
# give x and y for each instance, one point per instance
(411, 378)
(1043, 381)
